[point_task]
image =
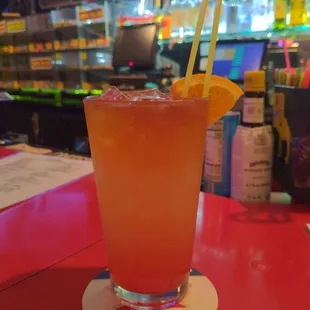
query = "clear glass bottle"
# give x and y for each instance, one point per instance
(223, 19)
(246, 15)
(260, 18)
(232, 11)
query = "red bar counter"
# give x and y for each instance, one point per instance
(41, 231)
(257, 256)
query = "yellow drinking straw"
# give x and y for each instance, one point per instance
(215, 28)
(194, 49)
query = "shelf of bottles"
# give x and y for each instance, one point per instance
(71, 48)
(56, 50)
(272, 19)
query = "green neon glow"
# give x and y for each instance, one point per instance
(96, 92)
(34, 99)
(77, 92)
(50, 91)
(30, 90)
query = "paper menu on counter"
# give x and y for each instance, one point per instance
(25, 175)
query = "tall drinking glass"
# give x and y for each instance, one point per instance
(147, 158)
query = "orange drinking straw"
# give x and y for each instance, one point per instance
(194, 49)
(215, 28)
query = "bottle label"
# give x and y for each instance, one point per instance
(253, 110)
(214, 152)
(252, 164)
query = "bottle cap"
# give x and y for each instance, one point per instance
(255, 81)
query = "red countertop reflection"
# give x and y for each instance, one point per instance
(41, 231)
(257, 256)
(6, 152)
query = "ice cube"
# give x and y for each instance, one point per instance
(151, 94)
(112, 93)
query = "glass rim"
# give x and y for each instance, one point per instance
(144, 102)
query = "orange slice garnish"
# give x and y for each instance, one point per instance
(223, 94)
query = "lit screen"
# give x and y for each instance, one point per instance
(233, 59)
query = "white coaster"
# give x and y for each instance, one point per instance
(201, 295)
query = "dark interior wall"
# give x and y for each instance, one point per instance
(3, 5)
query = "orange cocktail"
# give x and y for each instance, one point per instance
(148, 157)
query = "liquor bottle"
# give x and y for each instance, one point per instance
(246, 15)
(254, 101)
(260, 15)
(175, 9)
(232, 8)
(270, 94)
(252, 147)
(298, 13)
(280, 13)
(217, 163)
(163, 18)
